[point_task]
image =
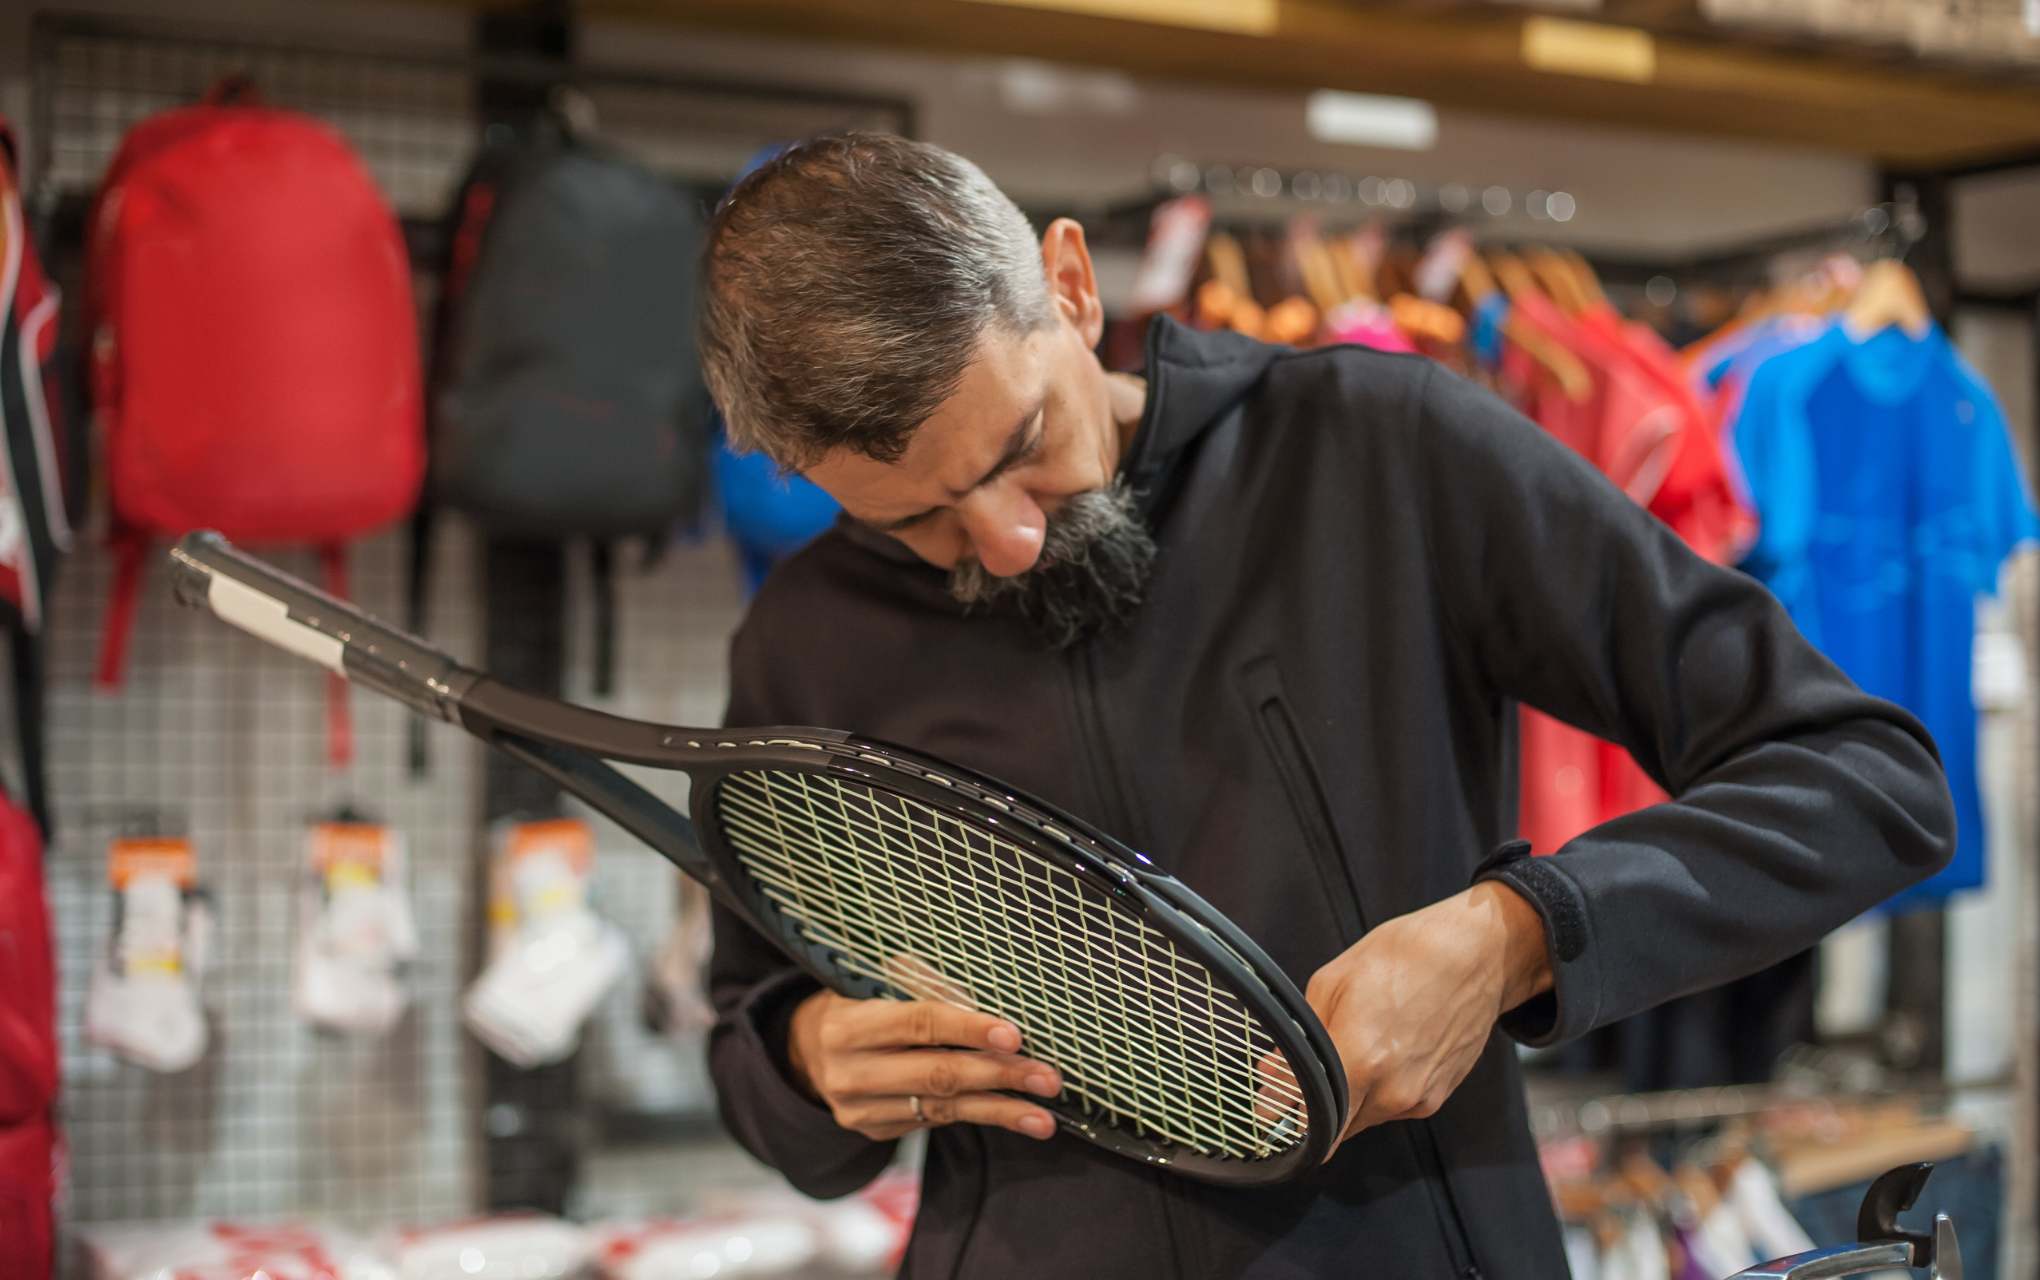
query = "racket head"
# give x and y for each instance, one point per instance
(886, 874)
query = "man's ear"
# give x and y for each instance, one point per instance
(1072, 284)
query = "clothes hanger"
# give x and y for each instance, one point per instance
(1431, 321)
(1226, 300)
(1515, 278)
(1572, 377)
(1889, 297)
(1358, 255)
(1647, 1178)
(1585, 276)
(1291, 322)
(1297, 318)
(1354, 282)
(1555, 275)
(1694, 1183)
(1228, 261)
(1476, 280)
(1320, 274)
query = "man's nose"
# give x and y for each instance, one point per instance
(1005, 527)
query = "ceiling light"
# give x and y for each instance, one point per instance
(1371, 120)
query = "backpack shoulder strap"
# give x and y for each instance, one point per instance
(129, 550)
(602, 562)
(27, 655)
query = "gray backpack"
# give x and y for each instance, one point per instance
(566, 400)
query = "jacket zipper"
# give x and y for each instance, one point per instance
(1292, 764)
(1098, 746)
(1112, 794)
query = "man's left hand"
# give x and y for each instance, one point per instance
(1411, 1005)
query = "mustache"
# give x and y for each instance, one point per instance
(1096, 559)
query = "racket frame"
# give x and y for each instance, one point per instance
(578, 748)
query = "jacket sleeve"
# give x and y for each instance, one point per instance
(1799, 801)
(754, 989)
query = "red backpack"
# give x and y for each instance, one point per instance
(28, 1050)
(255, 347)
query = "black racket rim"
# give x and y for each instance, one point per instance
(1198, 929)
(575, 745)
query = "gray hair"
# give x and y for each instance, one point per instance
(848, 282)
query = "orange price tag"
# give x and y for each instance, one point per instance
(130, 857)
(567, 838)
(359, 844)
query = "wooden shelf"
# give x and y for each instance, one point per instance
(1461, 57)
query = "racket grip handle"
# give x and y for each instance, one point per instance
(211, 573)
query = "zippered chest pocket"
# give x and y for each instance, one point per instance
(1303, 789)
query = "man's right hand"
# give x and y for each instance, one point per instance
(868, 1060)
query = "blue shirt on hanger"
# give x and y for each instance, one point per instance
(1767, 339)
(1890, 495)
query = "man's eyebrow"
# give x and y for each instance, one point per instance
(1017, 445)
(1016, 448)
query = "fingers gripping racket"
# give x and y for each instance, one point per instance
(885, 873)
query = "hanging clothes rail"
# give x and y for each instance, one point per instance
(1354, 192)
(1610, 1115)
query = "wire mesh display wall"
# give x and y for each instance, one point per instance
(224, 739)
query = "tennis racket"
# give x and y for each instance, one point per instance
(885, 873)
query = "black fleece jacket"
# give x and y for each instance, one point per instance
(1363, 561)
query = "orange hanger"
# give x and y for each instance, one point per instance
(1584, 274)
(1515, 278)
(1227, 299)
(1228, 262)
(1555, 274)
(1292, 322)
(1320, 273)
(1647, 1178)
(1889, 297)
(1564, 367)
(1476, 279)
(1433, 321)
(1357, 257)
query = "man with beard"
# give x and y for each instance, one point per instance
(1262, 614)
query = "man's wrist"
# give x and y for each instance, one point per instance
(1524, 953)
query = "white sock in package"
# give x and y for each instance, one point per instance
(143, 1000)
(357, 935)
(550, 971)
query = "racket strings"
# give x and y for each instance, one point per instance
(1059, 892)
(931, 906)
(1067, 1024)
(850, 915)
(842, 932)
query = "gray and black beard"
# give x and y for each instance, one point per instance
(1096, 558)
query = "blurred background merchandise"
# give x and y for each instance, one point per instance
(1650, 217)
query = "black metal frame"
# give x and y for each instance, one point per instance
(492, 61)
(512, 64)
(533, 1127)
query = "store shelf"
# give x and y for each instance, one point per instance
(1468, 57)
